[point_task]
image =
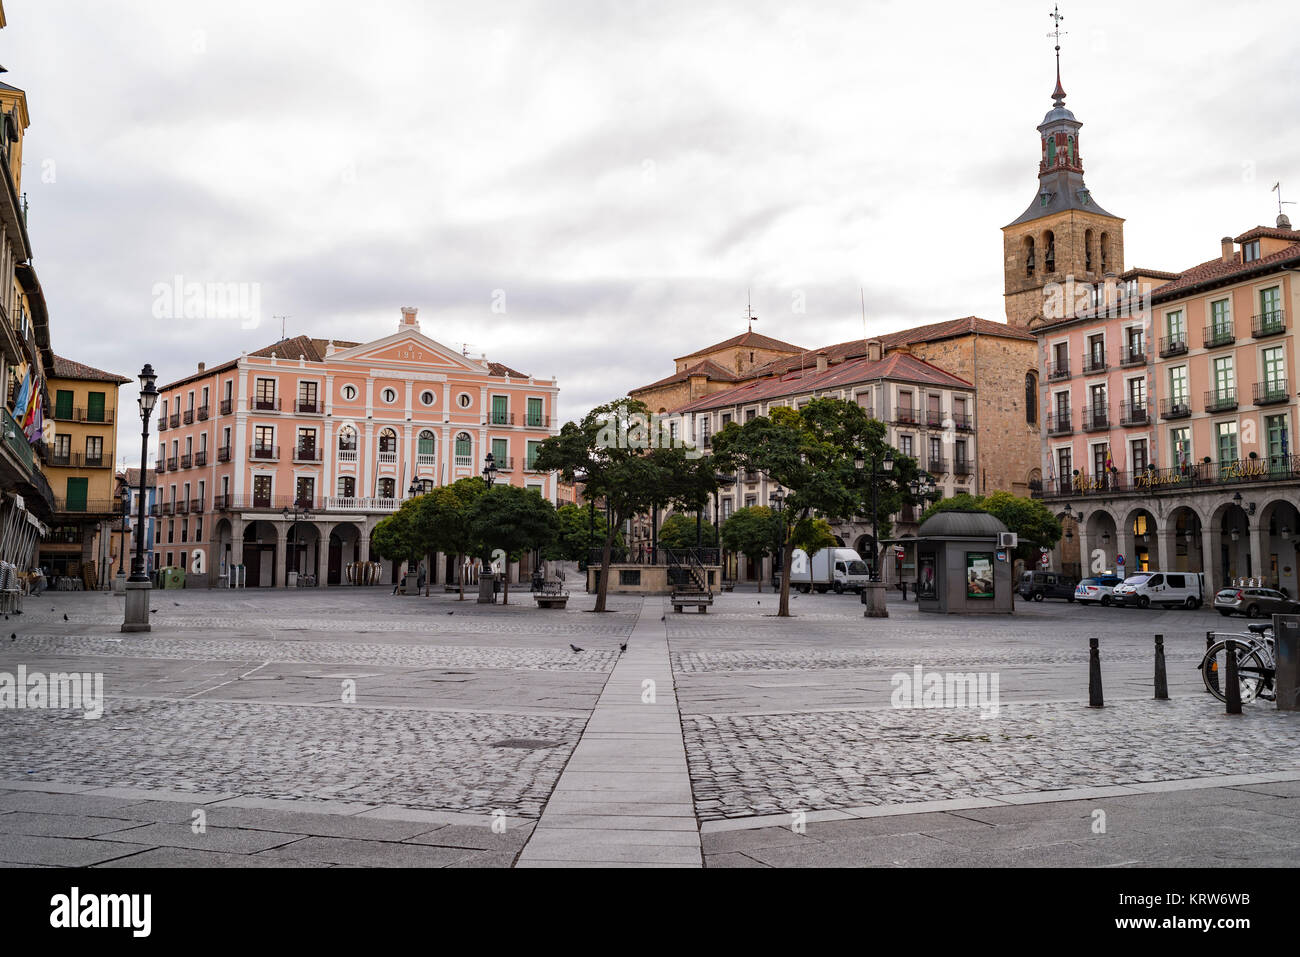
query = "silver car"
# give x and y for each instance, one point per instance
(1254, 602)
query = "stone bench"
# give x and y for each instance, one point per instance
(702, 602)
(551, 595)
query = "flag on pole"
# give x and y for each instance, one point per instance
(35, 428)
(1110, 462)
(22, 398)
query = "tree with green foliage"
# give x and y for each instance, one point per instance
(443, 524)
(508, 521)
(679, 530)
(811, 453)
(396, 537)
(1031, 520)
(618, 461)
(752, 531)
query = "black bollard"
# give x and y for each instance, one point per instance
(1094, 675)
(1213, 684)
(1231, 688)
(1162, 683)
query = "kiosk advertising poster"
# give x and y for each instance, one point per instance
(979, 574)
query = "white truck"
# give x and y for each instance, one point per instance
(837, 569)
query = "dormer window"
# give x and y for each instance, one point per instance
(1250, 251)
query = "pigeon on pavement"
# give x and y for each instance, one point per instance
(65, 616)
(575, 648)
(622, 647)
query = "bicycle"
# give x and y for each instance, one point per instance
(1256, 664)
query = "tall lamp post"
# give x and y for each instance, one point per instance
(292, 515)
(119, 580)
(873, 595)
(777, 498)
(487, 583)
(138, 585)
(921, 487)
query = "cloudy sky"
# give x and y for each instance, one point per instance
(617, 173)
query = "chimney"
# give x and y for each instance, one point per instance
(1228, 255)
(875, 350)
(408, 318)
(202, 366)
(1110, 294)
(821, 362)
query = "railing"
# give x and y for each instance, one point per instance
(175, 420)
(105, 416)
(307, 454)
(1172, 346)
(162, 423)
(172, 463)
(159, 468)
(200, 459)
(264, 453)
(227, 405)
(221, 502)
(1132, 413)
(1175, 408)
(347, 455)
(1220, 400)
(182, 507)
(153, 510)
(1268, 324)
(1095, 417)
(530, 465)
(1058, 370)
(196, 505)
(906, 417)
(1060, 423)
(310, 406)
(934, 418)
(223, 454)
(203, 413)
(962, 467)
(337, 504)
(386, 458)
(963, 422)
(187, 460)
(94, 506)
(463, 460)
(644, 554)
(188, 417)
(1095, 362)
(505, 463)
(537, 421)
(271, 404)
(425, 458)
(1271, 392)
(1179, 479)
(1132, 357)
(167, 508)
(1221, 335)
(502, 418)
(937, 466)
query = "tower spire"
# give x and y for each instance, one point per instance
(1058, 95)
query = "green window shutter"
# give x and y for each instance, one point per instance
(499, 451)
(534, 411)
(499, 409)
(533, 448)
(76, 498)
(63, 404)
(424, 446)
(95, 407)
(462, 445)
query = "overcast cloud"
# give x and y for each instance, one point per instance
(624, 171)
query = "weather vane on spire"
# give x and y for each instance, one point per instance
(1058, 96)
(749, 311)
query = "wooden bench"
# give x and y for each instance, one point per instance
(551, 595)
(702, 601)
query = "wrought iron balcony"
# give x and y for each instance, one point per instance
(1173, 346)
(1060, 423)
(1268, 324)
(1133, 413)
(1220, 400)
(1058, 370)
(1132, 357)
(1175, 408)
(226, 406)
(223, 454)
(203, 413)
(1095, 362)
(1220, 335)
(1095, 418)
(1271, 392)
(264, 453)
(271, 404)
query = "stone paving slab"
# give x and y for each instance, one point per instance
(334, 850)
(61, 825)
(188, 857)
(59, 851)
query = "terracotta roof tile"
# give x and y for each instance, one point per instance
(708, 368)
(68, 369)
(755, 339)
(1216, 270)
(1269, 232)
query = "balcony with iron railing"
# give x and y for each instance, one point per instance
(92, 506)
(203, 413)
(1172, 346)
(167, 508)
(188, 417)
(1060, 422)
(309, 454)
(223, 453)
(1268, 324)
(537, 421)
(187, 460)
(962, 467)
(79, 460)
(182, 507)
(221, 503)
(200, 459)
(1175, 408)
(1095, 362)
(175, 421)
(1271, 392)
(530, 465)
(88, 416)
(196, 505)
(265, 404)
(504, 463)
(1132, 356)
(937, 465)
(264, 453)
(1220, 400)
(934, 418)
(906, 417)
(1219, 335)
(173, 463)
(162, 423)
(1133, 412)
(1095, 418)
(310, 407)
(227, 405)
(963, 422)
(502, 418)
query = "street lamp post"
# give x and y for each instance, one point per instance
(292, 515)
(873, 594)
(119, 580)
(778, 499)
(921, 487)
(136, 617)
(487, 583)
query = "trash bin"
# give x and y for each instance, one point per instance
(1286, 637)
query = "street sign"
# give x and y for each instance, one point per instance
(1045, 560)
(1002, 555)
(899, 551)
(1119, 561)
(1042, 549)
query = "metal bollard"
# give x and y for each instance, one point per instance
(1094, 675)
(1214, 665)
(1162, 682)
(1232, 688)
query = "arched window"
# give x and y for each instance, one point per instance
(386, 488)
(1029, 255)
(1049, 251)
(347, 439)
(464, 449)
(1105, 251)
(347, 487)
(1087, 250)
(1051, 150)
(388, 441)
(1031, 398)
(424, 448)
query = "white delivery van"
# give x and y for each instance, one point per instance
(1166, 589)
(837, 569)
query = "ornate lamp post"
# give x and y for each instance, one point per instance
(138, 585)
(487, 583)
(777, 498)
(490, 469)
(873, 595)
(293, 514)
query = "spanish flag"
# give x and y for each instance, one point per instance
(1110, 462)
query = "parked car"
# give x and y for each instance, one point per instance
(1100, 588)
(1254, 602)
(1035, 586)
(1166, 589)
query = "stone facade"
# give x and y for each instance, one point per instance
(1086, 247)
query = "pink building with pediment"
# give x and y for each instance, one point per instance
(285, 459)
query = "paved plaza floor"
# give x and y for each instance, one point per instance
(347, 726)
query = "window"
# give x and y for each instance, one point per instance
(171, 534)
(1275, 433)
(94, 450)
(1138, 454)
(63, 449)
(1274, 371)
(189, 402)
(1220, 319)
(1029, 256)
(424, 446)
(1105, 251)
(347, 439)
(264, 398)
(306, 444)
(750, 414)
(1250, 251)
(905, 445)
(347, 486)
(1100, 456)
(386, 488)
(1096, 352)
(388, 441)
(307, 396)
(185, 530)
(389, 395)
(198, 529)
(1225, 435)
(264, 440)
(349, 392)
(464, 400)
(500, 410)
(1087, 250)
(1178, 385)
(1270, 306)
(533, 449)
(1224, 381)
(1135, 342)
(427, 397)
(1064, 463)
(305, 489)
(501, 453)
(1031, 399)
(535, 413)
(464, 449)
(1049, 251)
(1176, 326)
(1137, 393)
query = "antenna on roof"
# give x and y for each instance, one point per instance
(749, 310)
(464, 349)
(1283, 221)
(282, 320)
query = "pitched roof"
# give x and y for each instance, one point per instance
(899, 366)
(501, 369)
(751, 338)
(708, 368)
(68, 369)
(133, 478)
(933, 332)
(1153, 273)
(1268, 232)
(1215, 271)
